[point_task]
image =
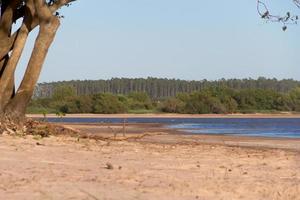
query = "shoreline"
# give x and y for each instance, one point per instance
(164, 127)
(177, 136)
(175, 116)
(162, 164)
(170, 115)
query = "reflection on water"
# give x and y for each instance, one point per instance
(279, 127)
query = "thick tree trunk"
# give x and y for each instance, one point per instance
(17, 106)
(35, 13)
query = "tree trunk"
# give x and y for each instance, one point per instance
(35, 13)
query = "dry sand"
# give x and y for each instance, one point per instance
(161, 165)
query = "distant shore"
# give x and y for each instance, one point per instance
(171, 115)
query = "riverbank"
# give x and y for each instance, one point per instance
(159, 164)
(170, 115)
(163, 135)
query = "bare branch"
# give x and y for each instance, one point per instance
(287, 19)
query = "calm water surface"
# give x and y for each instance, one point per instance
(279, 127)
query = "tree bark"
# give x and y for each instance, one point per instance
(35, 13)
(17, 106)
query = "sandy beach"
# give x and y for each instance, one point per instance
(150, 162)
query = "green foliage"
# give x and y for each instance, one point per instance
(219, 99)
(63, 92)
(40, 106)
(80, 104)
(173, 105)
(203, 103)
(258, 99)
(139, 101)
(295, 99)
(60, 114)
(143, 111)
(107, 104)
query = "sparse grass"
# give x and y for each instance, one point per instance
(37, 137)
(39, 110)
(144, 111)
(260, 111)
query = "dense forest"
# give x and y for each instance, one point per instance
(160, 88)
(171, 96)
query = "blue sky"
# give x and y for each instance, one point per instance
(185, 39)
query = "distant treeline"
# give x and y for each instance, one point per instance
(213, 99)
(158, 88)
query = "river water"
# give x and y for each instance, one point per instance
(266, 127)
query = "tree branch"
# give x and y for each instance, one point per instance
(264, 13)
(7, 44)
